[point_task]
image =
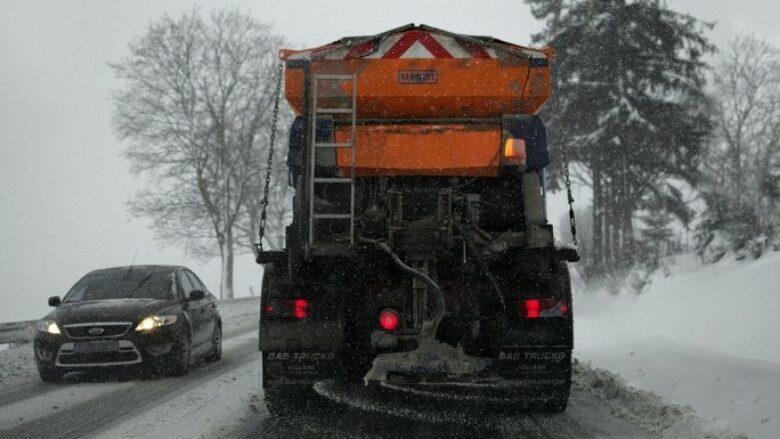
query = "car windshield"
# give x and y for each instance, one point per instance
(135, 284)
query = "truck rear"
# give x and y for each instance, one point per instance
(419, 251)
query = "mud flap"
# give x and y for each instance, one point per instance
(297, 368)
(536, 366)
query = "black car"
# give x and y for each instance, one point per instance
(138, 316)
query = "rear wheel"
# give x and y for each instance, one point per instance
(285, 399)
(556, 404)
(290, 400)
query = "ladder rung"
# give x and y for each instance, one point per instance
(333, 77)
(333, 145)
(335, 110)
(332, 180)
(332, 216)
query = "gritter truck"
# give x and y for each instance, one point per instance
(419, 252)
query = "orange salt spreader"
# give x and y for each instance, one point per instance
(427, 101)
(419, 250)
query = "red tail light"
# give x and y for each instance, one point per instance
(389, 320)
(300, 308)
(287, 308)
(532, 308)
(542, 308)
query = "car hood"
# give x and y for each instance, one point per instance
(119, 310)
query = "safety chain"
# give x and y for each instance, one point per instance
(275, 119)
(572, 222)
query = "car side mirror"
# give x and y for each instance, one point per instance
(197, 295)
(54, 301)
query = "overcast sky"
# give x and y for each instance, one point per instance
(63, 180)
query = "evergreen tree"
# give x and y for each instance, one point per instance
(629, 106)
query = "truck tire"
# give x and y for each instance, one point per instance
(286, 399)
(557, 404)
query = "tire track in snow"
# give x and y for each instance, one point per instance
(84, 418)
(24, 390)
(81, 409)
(368, 413)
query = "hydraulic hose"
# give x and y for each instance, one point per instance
(482, 265)
(429, 329)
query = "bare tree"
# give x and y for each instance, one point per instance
(742, 188)
(279, 196)
(196, 97)
(748, 88)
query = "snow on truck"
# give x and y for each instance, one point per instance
(419, 251)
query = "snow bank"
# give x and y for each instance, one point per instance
(17, 363)
(643, 408)
(707, 337)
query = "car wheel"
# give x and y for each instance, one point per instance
(181, 364)
(51, 375)
(216, 341)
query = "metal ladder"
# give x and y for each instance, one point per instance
(314, 145)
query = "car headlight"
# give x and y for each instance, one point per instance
(48, 326)
(152, 322)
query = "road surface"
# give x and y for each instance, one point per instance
(224, 399)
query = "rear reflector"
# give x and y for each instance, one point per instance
(389, 320)
(542, 308)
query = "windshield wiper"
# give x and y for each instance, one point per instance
(138, 287)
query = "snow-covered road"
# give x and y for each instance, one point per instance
(224, 399)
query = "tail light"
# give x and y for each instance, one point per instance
(300, 308)
(297, 308)
(542, 308)
(389, 320)
(523, 144)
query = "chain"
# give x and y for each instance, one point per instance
(572, 222)
(275, 119)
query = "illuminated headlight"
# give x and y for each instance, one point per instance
(152, 322)
(48, 326)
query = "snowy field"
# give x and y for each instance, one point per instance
(707, 337)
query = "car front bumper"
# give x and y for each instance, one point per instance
(129, 349)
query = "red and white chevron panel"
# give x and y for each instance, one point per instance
(414, 44)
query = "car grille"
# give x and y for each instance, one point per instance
(97, 330)
(123, 353)
(98, 358)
